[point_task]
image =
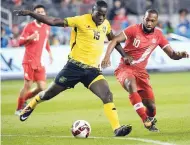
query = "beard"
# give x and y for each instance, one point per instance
(147, 30)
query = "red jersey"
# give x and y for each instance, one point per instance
(34, 47)
(140, 45)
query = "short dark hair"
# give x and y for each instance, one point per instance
(152, 11)
(183, 10)
(100, 3)
(39, 6)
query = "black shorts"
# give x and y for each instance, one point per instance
(73, 73)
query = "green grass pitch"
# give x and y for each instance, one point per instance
(50, 123)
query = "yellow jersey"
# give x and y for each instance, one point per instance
(87, 39)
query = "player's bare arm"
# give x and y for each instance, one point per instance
(42, 18)
(175, 55)
(27, 40)
(49, 52)
(118, 47)
(115, 43)
(50, 57)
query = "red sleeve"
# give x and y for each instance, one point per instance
(163, 42)
(24, 35)
(48, 46)
(129, 31)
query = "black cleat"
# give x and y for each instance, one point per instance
(153, 128)
(123, 130)
(150, 124)
(18, 112)
(25, 113)
(154, 121)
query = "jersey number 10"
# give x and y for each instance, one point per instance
(96, 35)
(136, 42)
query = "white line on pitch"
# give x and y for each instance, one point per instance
(119, 138)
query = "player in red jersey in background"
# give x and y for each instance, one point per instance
(34, 37)
(140, 41)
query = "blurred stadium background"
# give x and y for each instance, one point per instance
(122, 13)
(173, 20)
(170, 79)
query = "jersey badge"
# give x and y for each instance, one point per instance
(104, 29)
(154, 40)
(62, 79)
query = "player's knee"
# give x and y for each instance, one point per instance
(151, 107)
(46, 95)
(130, 85)
(107, 97)
(41, 94)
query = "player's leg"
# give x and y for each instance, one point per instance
(151, 112)
(28, 81)
(150, 107)
(95, 81)
(135, 99)
(23, 92)
(129, 83)
(149, 102)
(48, 94)
(147, 95)
(101, 89)
(67, 78)
(40, 79)
(40, 87)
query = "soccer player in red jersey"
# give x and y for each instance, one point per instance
(140, 41)
(34, 37)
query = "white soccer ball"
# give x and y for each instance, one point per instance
(81, 129)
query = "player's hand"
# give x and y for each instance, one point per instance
(128, 59)
(184, 54)
(106, 62)
(21, 12)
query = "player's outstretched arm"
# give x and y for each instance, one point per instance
(44, 19)
(115, 43)
(118, 47)
(175, 55)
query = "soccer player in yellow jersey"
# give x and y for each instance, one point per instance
(89, 32)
